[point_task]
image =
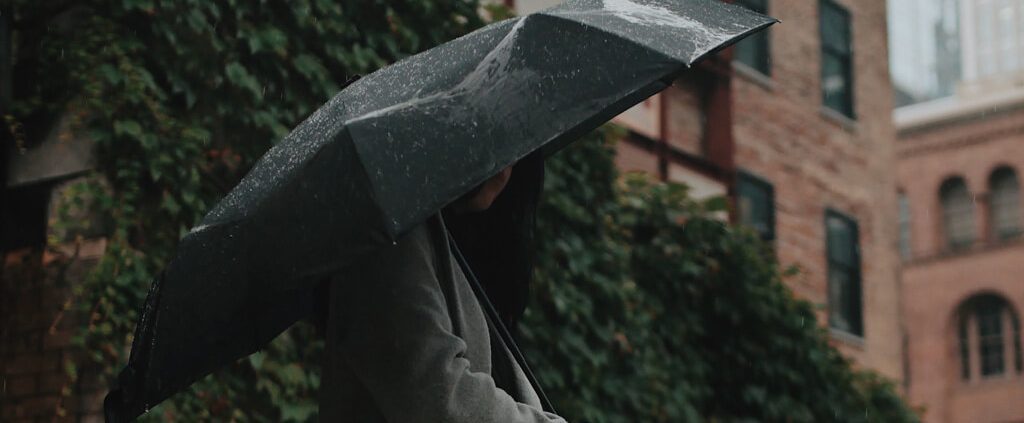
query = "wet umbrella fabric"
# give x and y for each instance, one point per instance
(392, 149)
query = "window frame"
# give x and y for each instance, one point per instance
(988, 313)
(853, 272)
(1007, 202)
(989, 338)
(758, 40)
(757, 182)
(948, 215)
(848, 109)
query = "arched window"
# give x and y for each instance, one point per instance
(989, 338)
(957, 213)
(1004, 202)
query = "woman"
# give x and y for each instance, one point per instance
(407, 340)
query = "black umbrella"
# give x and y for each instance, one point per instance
(392, 149)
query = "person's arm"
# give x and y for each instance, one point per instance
(395, 333)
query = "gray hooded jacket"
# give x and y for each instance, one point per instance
(407, 341)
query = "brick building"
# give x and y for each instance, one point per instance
(959, 160)
(36, 284)
(797, 130)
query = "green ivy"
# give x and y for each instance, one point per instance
(649, 308)
(646, 308)
(181, 97)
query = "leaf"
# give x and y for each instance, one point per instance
(309, 66)
(128, 127)
(268, 38)
(256, 359)
(238, 76)
(299, 412)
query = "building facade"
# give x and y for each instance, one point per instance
(814, 124)
(794, 125)
(959, 160)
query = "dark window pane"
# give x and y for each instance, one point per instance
(756, 205)
(957, 213)
(835, 27)
(836, 58)
(838, 300)
(844, 284)
(835, 84)
(841, 242)
(23, 216)
(1005, 204)
(990, 337)
(753, 50)
(989, 315)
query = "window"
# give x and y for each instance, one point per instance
(836, 58)
(996, 31)
(957, 213)
(965, 350)
(753, 50)
(904, 205)
(1018, 359)
(756, 205)
(844, 291)
(1004, 195)
(23, 215)
(989, 335)
(989, 315)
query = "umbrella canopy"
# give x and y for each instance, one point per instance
(392, 149)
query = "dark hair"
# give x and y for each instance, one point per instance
(498, 242)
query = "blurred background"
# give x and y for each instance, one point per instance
(873, 146)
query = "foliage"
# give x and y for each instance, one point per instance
(649, 308)
(646, 307)
(181, 97)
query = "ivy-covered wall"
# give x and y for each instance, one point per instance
(181, 97)
(650, 308)
(645, 309)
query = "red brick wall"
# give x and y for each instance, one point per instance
(936, 281)
(934, 290)
(686, 118)
(816, 160)
(37, 321)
